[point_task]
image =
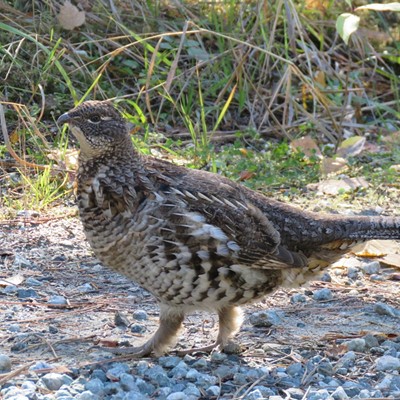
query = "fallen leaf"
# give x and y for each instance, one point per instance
(330, 165)
(70, 17)
(392, 260)
(245, 175)
(12, 280)
(307, 145)
(380, 7)
(377, 248)
(334, 186)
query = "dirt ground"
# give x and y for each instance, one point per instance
(54, 253)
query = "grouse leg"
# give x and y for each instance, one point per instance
(230, 320)
(170, 324)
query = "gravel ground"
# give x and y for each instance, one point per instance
(339, 338)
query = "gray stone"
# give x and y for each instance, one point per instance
(201, 363)
(255, 395)
(169, 361)
(373, 267)
(177, 396)
(95, 385)
(295, 369)
(85, 288)
(326, 277)
(340, 394)
(357, 345)
(295, 393)
(33, 282)
(10, 289)
(99, 374)
(54, 381)
(265, 318)
(370, 341)
(140, 315)
(27, 293)
(57, 300)
(298, 298)
(20, 261)
(192, 391)
(86, 395)
(134, 395)
(346, 361)
(325, 368)
(323, 295)
(384, 309)
(352, 272)
(40, 365)
(117, 370)
(386, 363)
(127, 382)
(5, 363)
(385, 383)
(213, 391)
(364, 394)
(218, 357)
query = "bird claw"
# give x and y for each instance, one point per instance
(132, 351)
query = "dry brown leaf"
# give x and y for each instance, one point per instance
(245, 175)
(330, 165)
(12, 280)
(391, 259)
(377, 248)
(70, 17)
(307, 145)
(334, 186)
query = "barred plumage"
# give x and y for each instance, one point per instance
(196, 240)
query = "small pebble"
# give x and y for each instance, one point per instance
(340, 394)
(53, 381)
(386, 363)
(213, 391)
(21, 262)
(5, 363)
(255, 395)
(53, 329)
(323, 294)
(326, 277)
(120, 320)
(85, 288)
(27, 293)
(346, 361)
(357, 345)
(384, 309)
(373, 267)
(57, 300)
(33, 282)
(177, 396)
(370, 341)
(14, 328)
(138, 328)
(352, 272)
(265, 318)
(298, 298)
(140, 315)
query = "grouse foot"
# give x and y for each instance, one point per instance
(230, 320)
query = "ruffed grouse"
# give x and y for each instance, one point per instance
(194, 239)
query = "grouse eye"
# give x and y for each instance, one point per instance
(95, 118)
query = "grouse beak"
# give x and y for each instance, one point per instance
(64, 119)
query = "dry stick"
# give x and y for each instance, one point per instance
(4, 378)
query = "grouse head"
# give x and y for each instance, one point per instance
(98, 127)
